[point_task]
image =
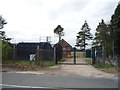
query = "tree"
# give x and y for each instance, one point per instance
(5, 44)
(59, 31)
(2, 22)
(103, 38)
(83, 35)
(115, 30)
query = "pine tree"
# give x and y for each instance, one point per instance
(83, 35)
(115, 32)
(102, 38)
(2, 22)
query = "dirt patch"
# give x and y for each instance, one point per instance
(109, 70)
(21, 67)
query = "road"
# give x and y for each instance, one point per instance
(22, 80)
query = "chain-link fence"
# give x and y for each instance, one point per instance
(100, 59)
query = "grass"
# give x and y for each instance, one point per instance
(27, 62)
(62, 60)
(48, 63)
(26, 65)
(100, 64)
(106, 68)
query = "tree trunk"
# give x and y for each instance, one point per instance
(103, 55)
(59, 38)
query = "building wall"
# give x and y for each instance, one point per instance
(66, 49)
(24, 50)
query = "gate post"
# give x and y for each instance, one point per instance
(93, 55)
(74, 55)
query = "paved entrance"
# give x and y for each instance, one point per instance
(70, 61)
(67, 68)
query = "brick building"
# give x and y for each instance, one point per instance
(66, 48)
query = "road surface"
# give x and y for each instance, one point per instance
(22, 80)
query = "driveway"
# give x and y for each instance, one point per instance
(67, 68)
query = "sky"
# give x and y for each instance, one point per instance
(34, 20)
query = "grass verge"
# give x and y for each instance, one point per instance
(107, 67)
(62, 60)
(25, 65)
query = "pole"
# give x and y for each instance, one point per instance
(74, 55)
(37, 60)
(0, 53)
(55, 60)
(113, 50)
(93, 55)
(14, 52)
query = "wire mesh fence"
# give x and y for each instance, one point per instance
(100, 59)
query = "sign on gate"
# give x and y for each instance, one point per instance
(32, 57)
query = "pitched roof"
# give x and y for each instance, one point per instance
(61, 41)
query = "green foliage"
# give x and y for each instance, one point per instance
(59, 31)
(103, 37)
(62, 60)
(83, 35)
(108, 35)
(5, 45)
(48, 63)
(2, 22)
(89, 61)
(102, 32)
(115, 32)
(6, 50)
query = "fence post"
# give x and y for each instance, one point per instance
(37, 60)
(55, 60)
(14, 52)
(37, 52)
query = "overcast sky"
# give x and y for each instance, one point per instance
(28, 20)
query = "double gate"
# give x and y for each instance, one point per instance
(73, 59)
